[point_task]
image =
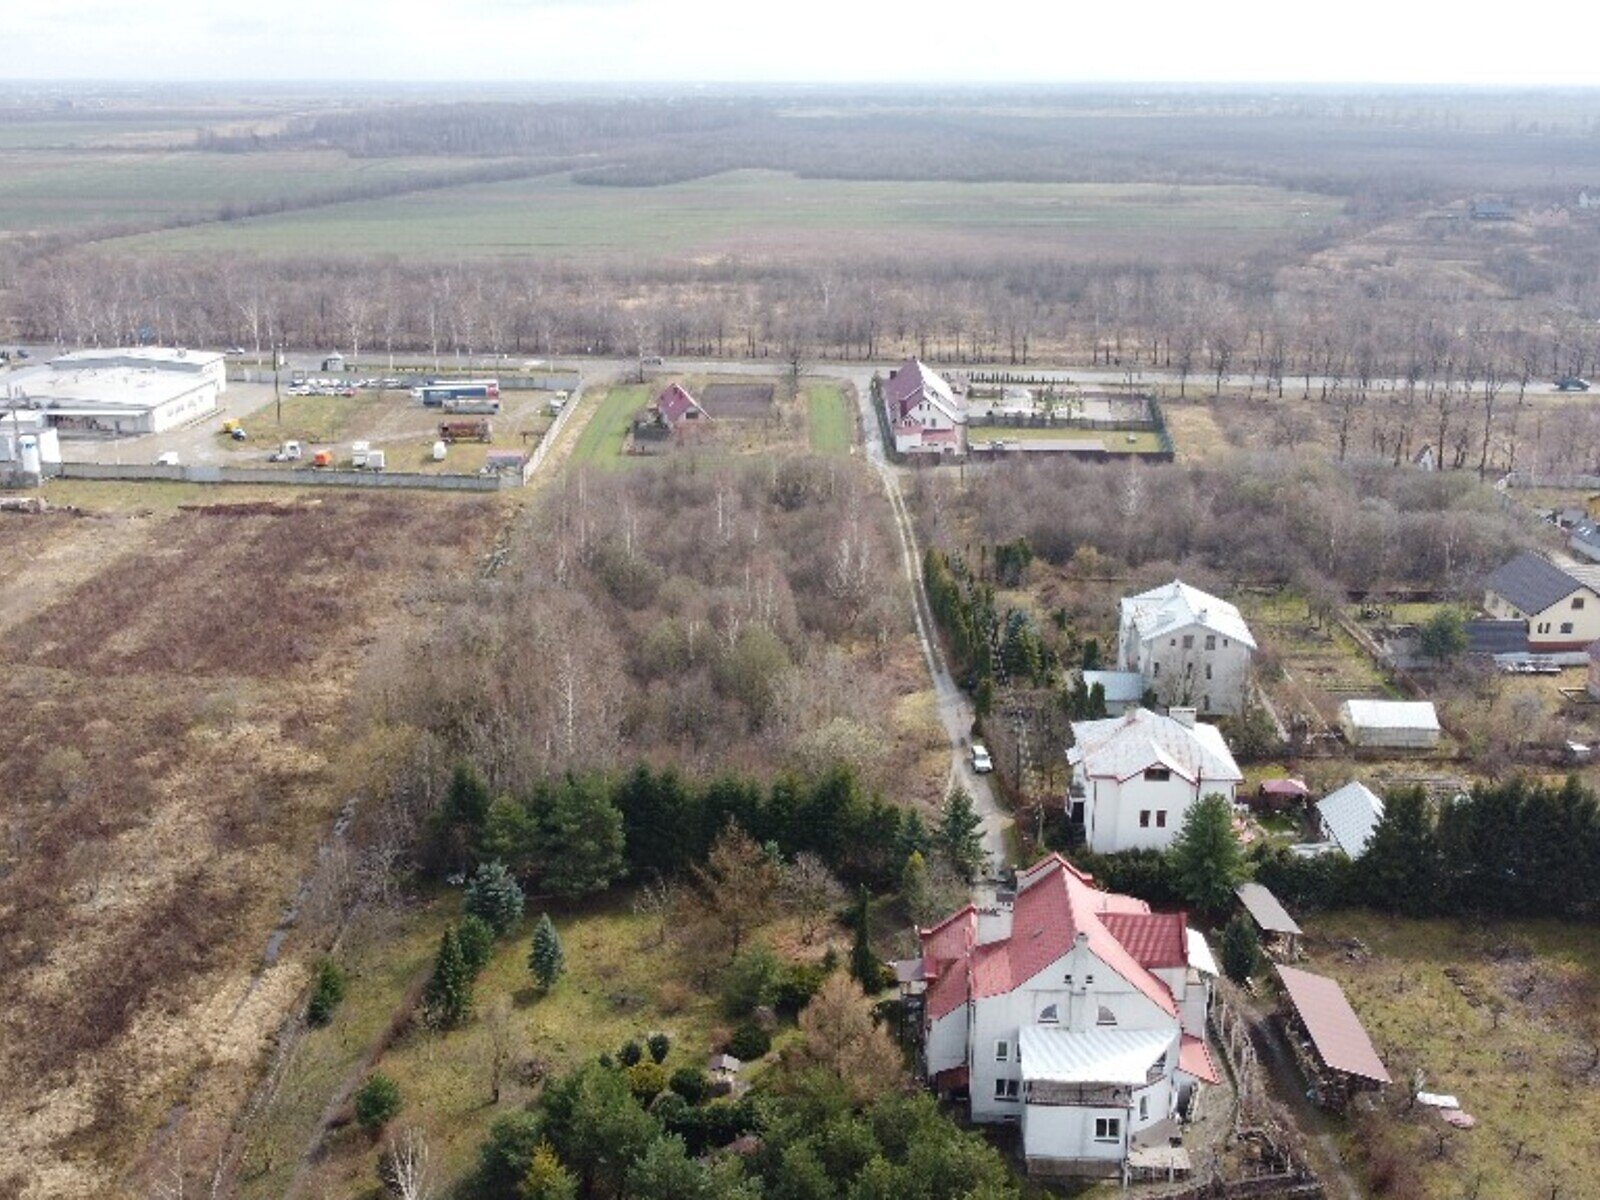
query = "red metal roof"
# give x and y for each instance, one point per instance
(1194, 1058)
(1284, 787)
(675, 402)
(1154, 939)
(1341, 1043)
(1056, 903)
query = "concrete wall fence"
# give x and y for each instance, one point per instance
(298, 477)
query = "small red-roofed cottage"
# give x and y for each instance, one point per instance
(1082, 1018)
(675, 405)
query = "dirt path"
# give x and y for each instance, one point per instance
(955, 712)
(1287, 1087)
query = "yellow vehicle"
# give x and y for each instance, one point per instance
(234, 428)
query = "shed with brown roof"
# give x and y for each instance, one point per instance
(1328, 1039)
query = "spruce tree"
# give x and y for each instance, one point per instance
(546, 959)
(1207, 860)
(1400, 871)
(959, 835)
(1241, 948)
(496, 897)
(448, 1000)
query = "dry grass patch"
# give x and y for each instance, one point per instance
(176, 685)
(1501, 1017)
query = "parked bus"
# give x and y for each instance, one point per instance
(435, 394)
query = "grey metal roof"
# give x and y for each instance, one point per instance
(1586, 538)
(1121, 687)
(1531, 584)
(1497, 637)
(1263, 906)
(1351, 814)
(1093, 1055)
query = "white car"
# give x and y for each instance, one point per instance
(981, 762)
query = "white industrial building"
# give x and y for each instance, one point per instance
(110, 393)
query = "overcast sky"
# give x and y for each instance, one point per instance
(899, 41)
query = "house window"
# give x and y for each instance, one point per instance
(1188, 641)
(1006, 1089)
(1577, 602)
(1155, 672)
(1208, 670)
(1108, 1129)
(1088, 979)
(1161, 818)
(1205, 702)
(1211, 641)
(1144, 1108)
(1050, 1014)
(1002, 1051)
(1144, 818)
(1105, 1017)
(1566, 627)
(1157, 774)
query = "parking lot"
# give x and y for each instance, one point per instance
(389, 420)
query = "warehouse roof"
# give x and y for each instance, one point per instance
(1336, 1033)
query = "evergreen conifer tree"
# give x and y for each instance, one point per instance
(546, 959)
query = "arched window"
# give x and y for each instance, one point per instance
(1049, 1015)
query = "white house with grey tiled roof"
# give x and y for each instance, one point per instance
(1561, 609)
(1191, 648)
(1135, 777)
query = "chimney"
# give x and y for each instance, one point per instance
(1182, 715)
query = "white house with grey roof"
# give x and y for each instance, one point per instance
(1135, 777)
(1561, 609)
(1191, 648)
(1349, 815)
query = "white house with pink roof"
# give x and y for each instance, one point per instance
(1080, 1018)
(925, 414)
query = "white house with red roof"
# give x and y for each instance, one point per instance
(925, 415)
(1135, 777)
(1079, 1015)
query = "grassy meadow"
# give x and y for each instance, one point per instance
(1499, 1016)
(44, 191)
(754, 212)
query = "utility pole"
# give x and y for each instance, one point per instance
(277, 391)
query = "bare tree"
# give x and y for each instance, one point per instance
(405, 1165)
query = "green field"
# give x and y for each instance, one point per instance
(830, 420)
(771, 213)
(600, 443)
(45, 191)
